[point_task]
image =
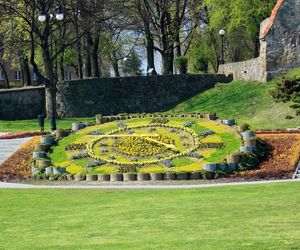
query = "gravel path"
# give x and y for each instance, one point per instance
(8, 147)
(4, 185)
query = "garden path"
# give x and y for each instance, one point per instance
(136, 187)
(8, 147)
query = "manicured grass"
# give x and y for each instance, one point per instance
(244, 217)
(232, 146)
(32, 125)
(248, 102)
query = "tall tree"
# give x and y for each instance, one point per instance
(242, 15)
(143, 16)
(40, 34)
(131, 65)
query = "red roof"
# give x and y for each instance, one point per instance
(271, 19)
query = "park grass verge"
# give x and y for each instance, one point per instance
(240, 217)
(32, 125)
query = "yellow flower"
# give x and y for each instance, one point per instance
(212, 138)
(218, 128)
(74, 169)
(197, 166)
(206, 152)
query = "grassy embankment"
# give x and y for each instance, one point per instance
(248, 102)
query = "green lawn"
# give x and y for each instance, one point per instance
(248, 102)
(244, 217)
(32, 125)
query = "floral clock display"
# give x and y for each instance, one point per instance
(144, 144)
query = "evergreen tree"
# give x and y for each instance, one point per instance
(131, 65)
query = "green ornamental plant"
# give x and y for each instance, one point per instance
(182, 64)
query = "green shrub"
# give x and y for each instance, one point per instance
(289, 117)
(182, 64)
(288, 90)
(159, 120)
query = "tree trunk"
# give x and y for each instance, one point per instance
(88, 59)
(50, 100)
(26, 76)
(95, 56)
(78, 51)
(167, 44)
(177, 29)
(79, 60)
(62, 67)
(115, 64)
(150, 48)
(171, 60)
(6, 80)
(51, 81)
(168, 61)
(178, 46)
(150, 53)
(256, 47)
(165, 63)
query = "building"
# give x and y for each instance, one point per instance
(15, 75)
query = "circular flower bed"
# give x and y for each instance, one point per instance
(145, 146)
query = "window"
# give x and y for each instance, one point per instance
(34, 78)
(1, 75)
(18, 75)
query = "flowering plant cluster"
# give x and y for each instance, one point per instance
(136, 146)
(17, 166)
(95, 132)
(283, 154)
(134, 159)
(152, 129)
(211, 145)
(103, 150)
(167, 163)
(122, 124)
(189, 124)
(75, 146)
(79, 156)
(20, 135)
(173, 130)
(206, 133)
(195, 155)
(160, 120)
(94, 164)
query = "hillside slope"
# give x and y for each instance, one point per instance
(247, 102)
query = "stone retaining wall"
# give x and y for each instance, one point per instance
(109, 96)
(23, 103)
(251, 70)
